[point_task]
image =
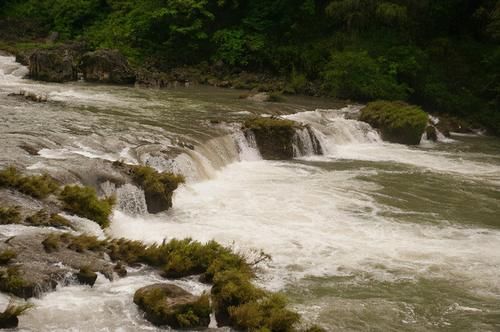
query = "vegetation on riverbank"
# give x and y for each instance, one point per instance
(441, 55)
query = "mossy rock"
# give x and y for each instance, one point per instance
(83, 201)
(10, 215)
(11, 281)
(52, 66)
(274, 136)
(158, 187)
(6, 256)
(86, 276)
(166, 304)
(107, 66)
(8, 318)
(397, 121)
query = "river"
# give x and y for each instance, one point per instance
(368, 236)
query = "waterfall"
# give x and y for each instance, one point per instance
(131, 200)
(11, 70)
(326, 129)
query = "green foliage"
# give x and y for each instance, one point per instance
(297, 82)
(6, 256)
(10, 215)
(38, 186)
(43, 219)
(152, 181)
(355, 75)
(83, 201)
(11, 281)
(162, 311)
(398, 121)
(269, 313)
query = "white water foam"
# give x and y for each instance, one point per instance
(318, 223)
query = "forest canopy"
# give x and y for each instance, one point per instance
(443, 55)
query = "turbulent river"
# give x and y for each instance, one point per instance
(368, 236)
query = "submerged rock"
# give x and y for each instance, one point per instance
(397, 122)
(106, 66)
(274, 137)
(166, 304)
(37, 270)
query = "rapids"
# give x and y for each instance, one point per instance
(365, 236)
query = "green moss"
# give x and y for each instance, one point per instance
(158, 187)
(398, 122)
(269, 313)
(43, 219)
(38, 186)
(84, 242)
(274, 136)
(12, 282)
(174, 307)
(83, 201)
(270, 123)
(10, 215)
(6, 256)
(51, 243)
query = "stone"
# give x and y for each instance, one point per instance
(52, 66)
(167, 304)
(106, 66)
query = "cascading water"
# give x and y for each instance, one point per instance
(363, 234)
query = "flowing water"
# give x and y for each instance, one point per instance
(366, 236)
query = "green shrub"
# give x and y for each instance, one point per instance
(10, 215)
(83, 201)
(6, 256)
(398, 122)
(355, 75)
(233, 288)
(38, 186)
(269, 313)
(297, 82)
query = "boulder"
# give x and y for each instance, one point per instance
(158, 187)
(166, 304)
(106, 66)
(8, 318)
(52, 66)
(86, 276)
(398, 122)
(273, 136)
(431, 133)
